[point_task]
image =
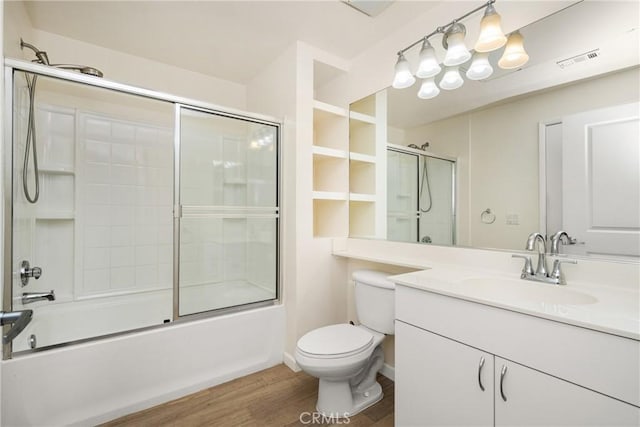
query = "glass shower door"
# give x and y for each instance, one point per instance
(402, 196)
(228, 222)
(98, 238)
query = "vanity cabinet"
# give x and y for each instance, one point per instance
(440, 341)
(438, 381)
(537, 399)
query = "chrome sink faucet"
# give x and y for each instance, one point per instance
(556, 239)
(541, 268)
(541, 273)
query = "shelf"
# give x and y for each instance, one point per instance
(360, 197)
(328, 108)
(329, 195)
(329, 152)
(330, 218)
(362, 218)
(359, 157)
(365, 118)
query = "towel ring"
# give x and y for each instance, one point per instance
(487, 216)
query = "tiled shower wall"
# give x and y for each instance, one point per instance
(125, 205)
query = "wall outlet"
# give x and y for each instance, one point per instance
(512, 219)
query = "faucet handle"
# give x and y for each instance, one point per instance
(527, 269)
(556, 271)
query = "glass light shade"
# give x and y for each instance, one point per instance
(514, 55)
(491, 36)
(428, 89)
(428, 66)
(480, 67)
(457, 52)
(403, 77)
(451, 79)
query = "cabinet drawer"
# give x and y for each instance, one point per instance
(602, 362)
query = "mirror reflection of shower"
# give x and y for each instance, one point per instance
(31, 140)
(424, 183)
(420, 195)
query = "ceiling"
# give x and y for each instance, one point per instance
(231, 40)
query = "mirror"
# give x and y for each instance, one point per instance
(516, 144)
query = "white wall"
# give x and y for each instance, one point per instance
(117, 66)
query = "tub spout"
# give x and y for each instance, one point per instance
(29, 297)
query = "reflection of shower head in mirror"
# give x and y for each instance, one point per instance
(423, 147)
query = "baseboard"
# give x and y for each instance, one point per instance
(388, 371)
(290, 361)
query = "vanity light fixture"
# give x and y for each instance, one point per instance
(428, 89)
(491, 38)
(451, 79)
(428, 66)
(403, 78)
(480, 67)
(453, 41)
(514, 55)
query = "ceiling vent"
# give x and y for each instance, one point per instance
(583, 57)
(370, 8)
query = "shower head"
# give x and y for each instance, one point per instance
(40, 54)
(82, 68)
(43, 58)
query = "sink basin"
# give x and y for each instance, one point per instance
(521, 290)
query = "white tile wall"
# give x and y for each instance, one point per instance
(126, 203)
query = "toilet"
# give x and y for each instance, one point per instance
(346, 358)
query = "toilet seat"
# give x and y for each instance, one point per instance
(335, 341)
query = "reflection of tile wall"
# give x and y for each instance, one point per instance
(126, 205)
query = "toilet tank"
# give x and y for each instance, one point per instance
(375, 300)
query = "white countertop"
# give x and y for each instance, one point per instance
(611, 310)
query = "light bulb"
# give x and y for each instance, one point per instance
(480, 67)
(403, 77)
(428, 89)
(491, 36)
(428, 66)
(453, 41)
(514, 55)
(451, 79)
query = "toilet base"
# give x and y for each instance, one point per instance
(338, 400)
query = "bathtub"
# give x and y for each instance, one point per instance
(93, 382)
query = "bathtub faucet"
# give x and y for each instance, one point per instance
(29, 297)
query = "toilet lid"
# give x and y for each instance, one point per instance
(335, 340)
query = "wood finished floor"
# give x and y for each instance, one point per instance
(273, 397)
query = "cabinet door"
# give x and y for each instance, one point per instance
(438, 381)
(535, 398)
